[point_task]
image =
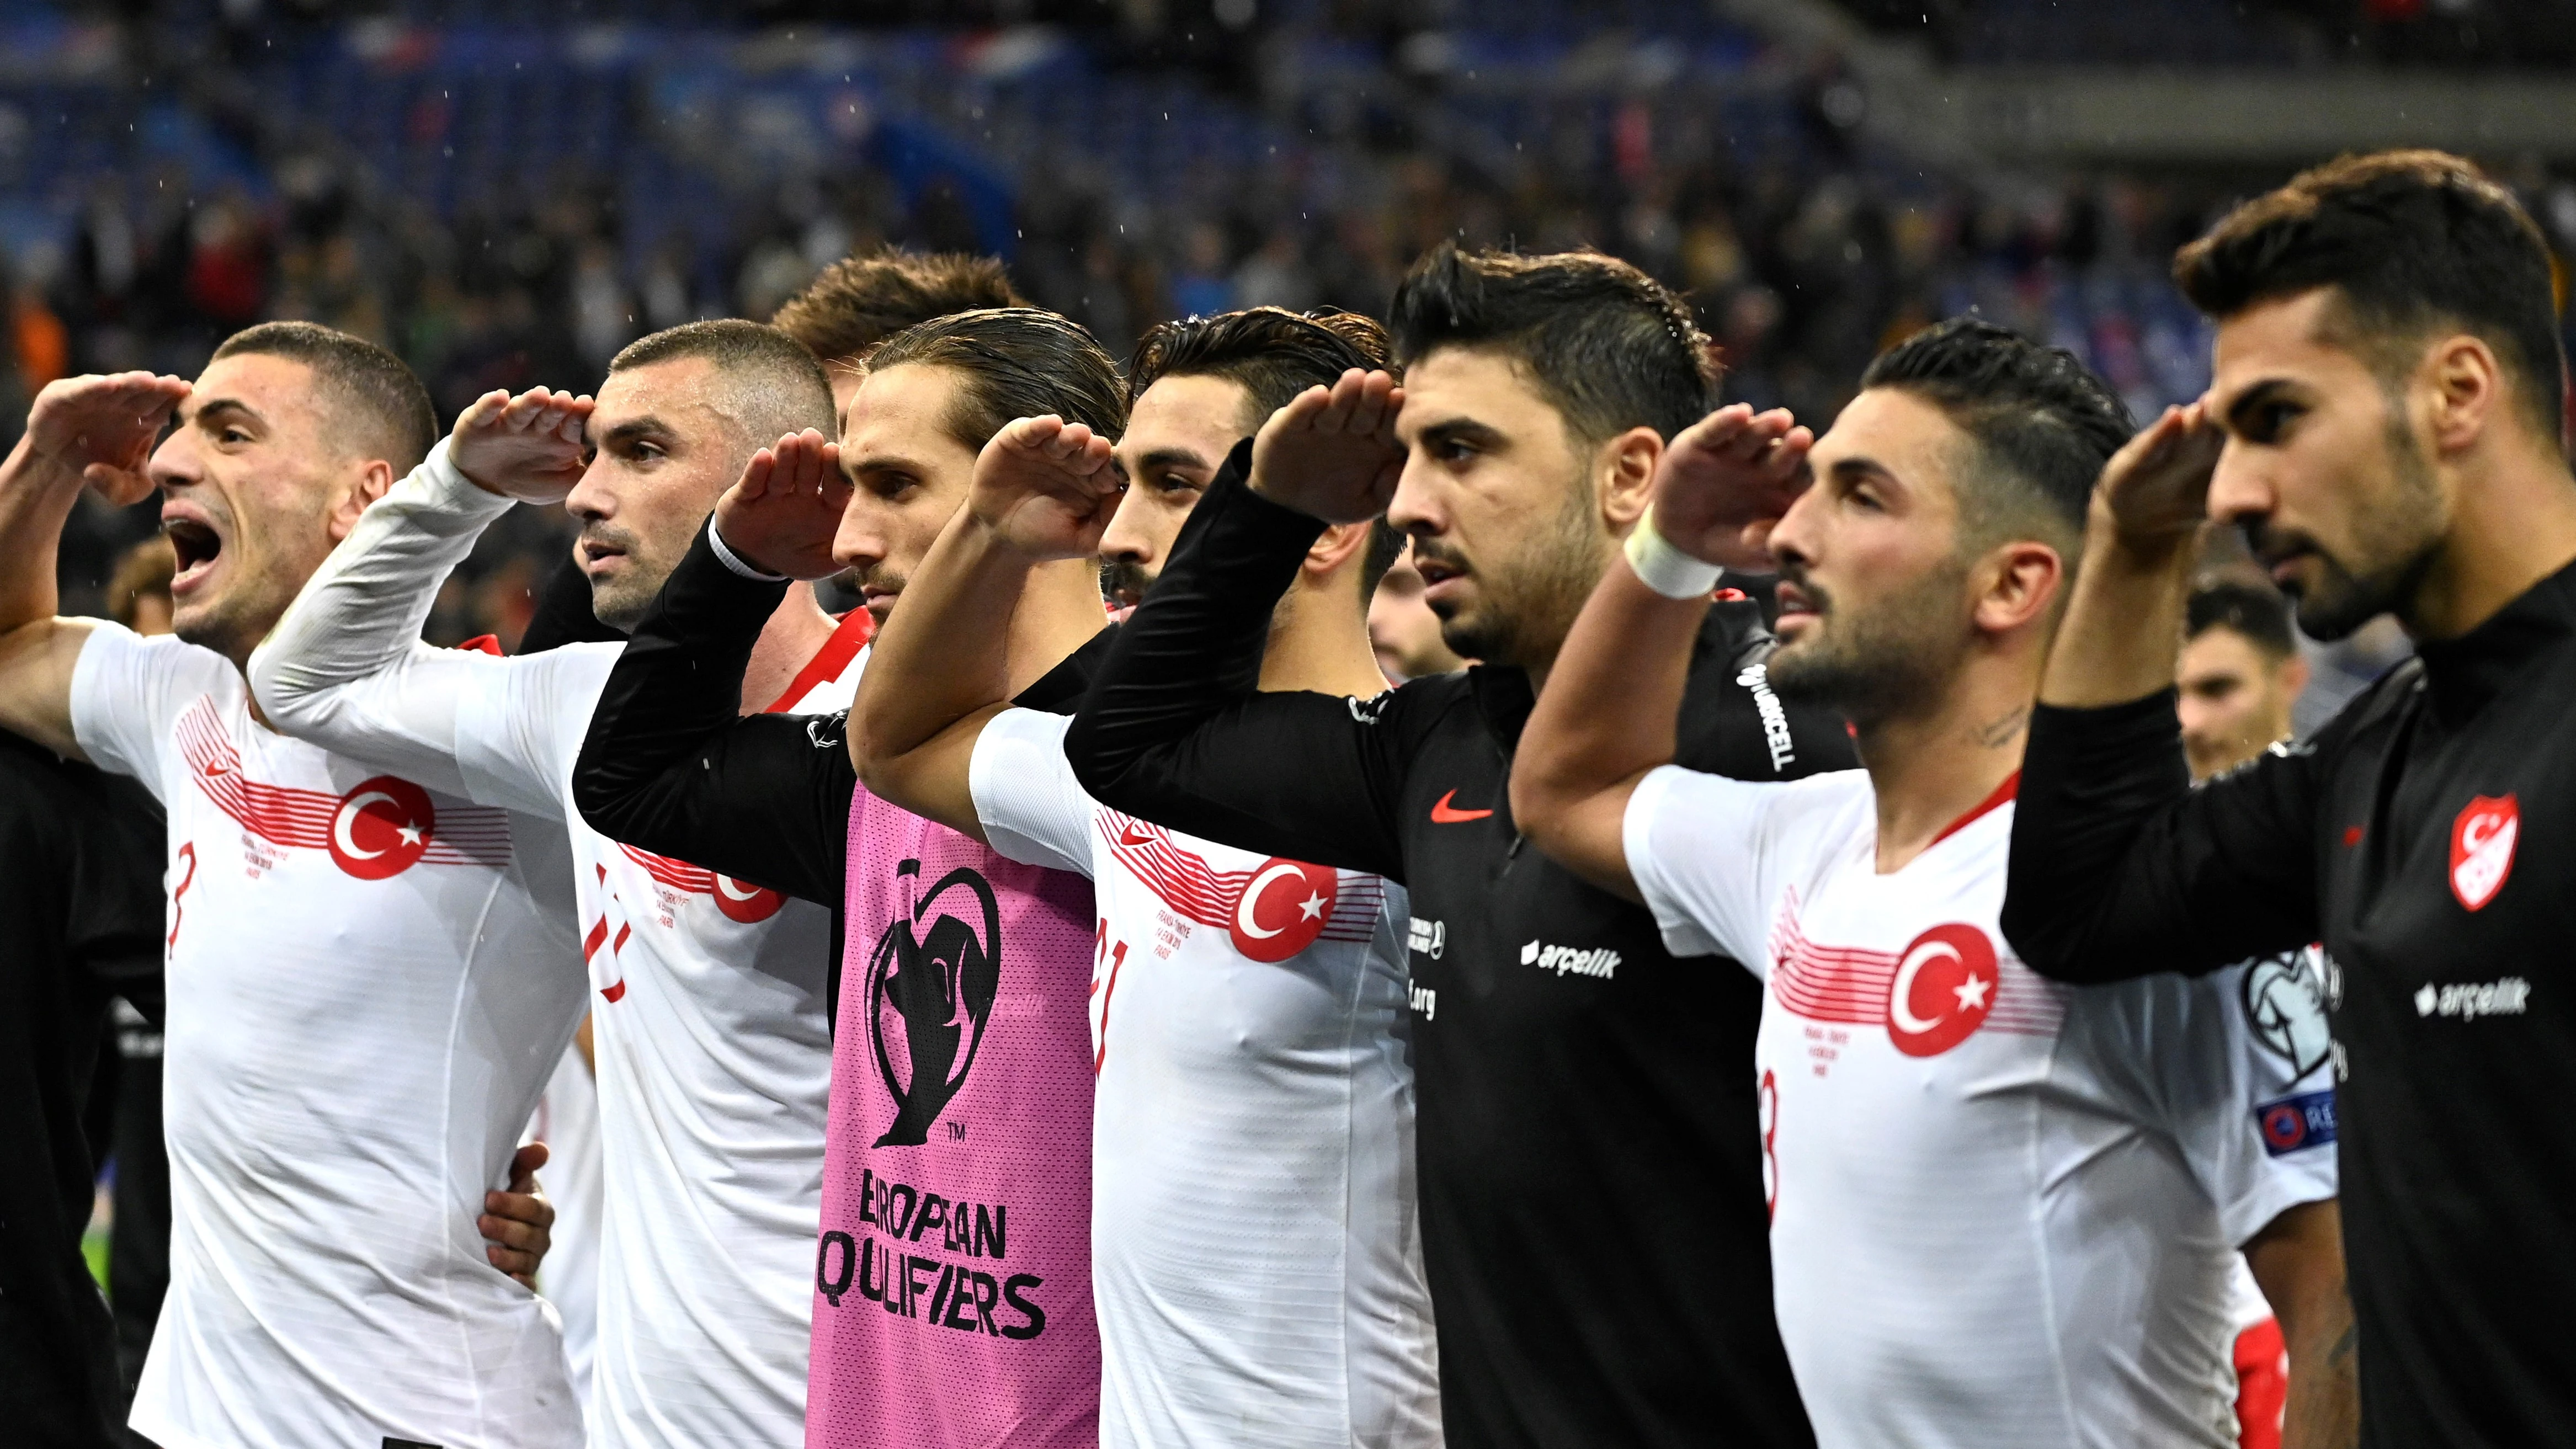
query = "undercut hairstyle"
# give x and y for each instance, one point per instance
(1609, 347)
(2414, 243)
(388, 412)
(2042, 426)
(860, 301)
(1018, 362)
(1273, 354)
(770, 383)
(2258, 613)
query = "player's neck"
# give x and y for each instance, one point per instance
(2513, 524)
(795, 632)
(1319, 640)
(1931, 767)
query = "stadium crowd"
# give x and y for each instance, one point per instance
(1854, 956)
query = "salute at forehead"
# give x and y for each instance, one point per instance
(345, 1073)
(1589, 1170)
(1247, 1013)
(709, 1031)
(1950, 1140)
(2384, 426)
(953, 1283)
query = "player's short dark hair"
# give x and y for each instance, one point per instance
(371, 389)
(2043, 425)
(860, 301)
(775, 381)
(2253, 610)
(1608, 346)
(1019, 362)
(1273, 354)
(2412, 242)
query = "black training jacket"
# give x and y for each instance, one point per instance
(1589, 1161)
(2424, 835)
(670, 767)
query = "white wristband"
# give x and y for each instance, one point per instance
(733, 561)
(1666, 569)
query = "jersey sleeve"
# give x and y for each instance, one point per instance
(668, 766)
(345, 669)
(1172, 729)
(2120, 868)
(1707, 854)
(126, 693)
(2237, 1070)
(1032, 808)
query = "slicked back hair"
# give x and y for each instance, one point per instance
(772, 383)
(1018, 362)
(2253, 610)
(2043, 426)
(1608, 346)
(860, 301)
(2412, 242)
(362, 383)
(1273, 354)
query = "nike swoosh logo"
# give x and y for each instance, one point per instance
(1132, 836)
(1442, 814)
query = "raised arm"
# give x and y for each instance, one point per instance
(2119, 868)
(671, 766)
(1172, 730)
(1043, 491)
(345, 669)
(1607, 714)
(93, 431)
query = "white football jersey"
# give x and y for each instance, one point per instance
(709, 1004)
(2004, 1211)
(567, 1121)
(1255, 1255)
(369, 980)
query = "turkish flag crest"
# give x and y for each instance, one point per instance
(2482, 841)
(1944, 987)
(1284, 907)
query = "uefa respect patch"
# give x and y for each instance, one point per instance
(2294, 1124)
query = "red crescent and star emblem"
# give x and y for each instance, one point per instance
(1284, 908)
(1944, 987)
(742, 901)
(2482, 841)
(381, 827)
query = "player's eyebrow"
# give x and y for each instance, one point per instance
(1174, 457)
(213, 410)
(1483, 436)
(2242, 407)
(628, 431)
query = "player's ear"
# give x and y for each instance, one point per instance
(2021, 581)
(370, 482)
(1624, 474)
(2467, 389)
(1336, 546)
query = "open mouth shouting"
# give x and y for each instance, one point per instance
(194, 542)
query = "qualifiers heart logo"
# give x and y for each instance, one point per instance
(2482, 841)
(930, 995)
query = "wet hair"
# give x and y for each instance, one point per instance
(1609, 347)
(772, 381)
(859, 301)
(2042, 425)
(361, 382)
(1018, 362)
(1273, 354)
(2413, 242)
(2253, 610)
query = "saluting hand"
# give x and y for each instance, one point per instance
(781, 515)
(527, 447)
(1047, 487)
(1726, 480)
(102, 428)
(1332, 453)
(2155, 491)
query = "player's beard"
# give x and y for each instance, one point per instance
(1525, 607)
(2395, 539)
(1885, 659)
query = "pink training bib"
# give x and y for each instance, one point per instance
(953, 1279)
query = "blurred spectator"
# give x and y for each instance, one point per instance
(1402, 628)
